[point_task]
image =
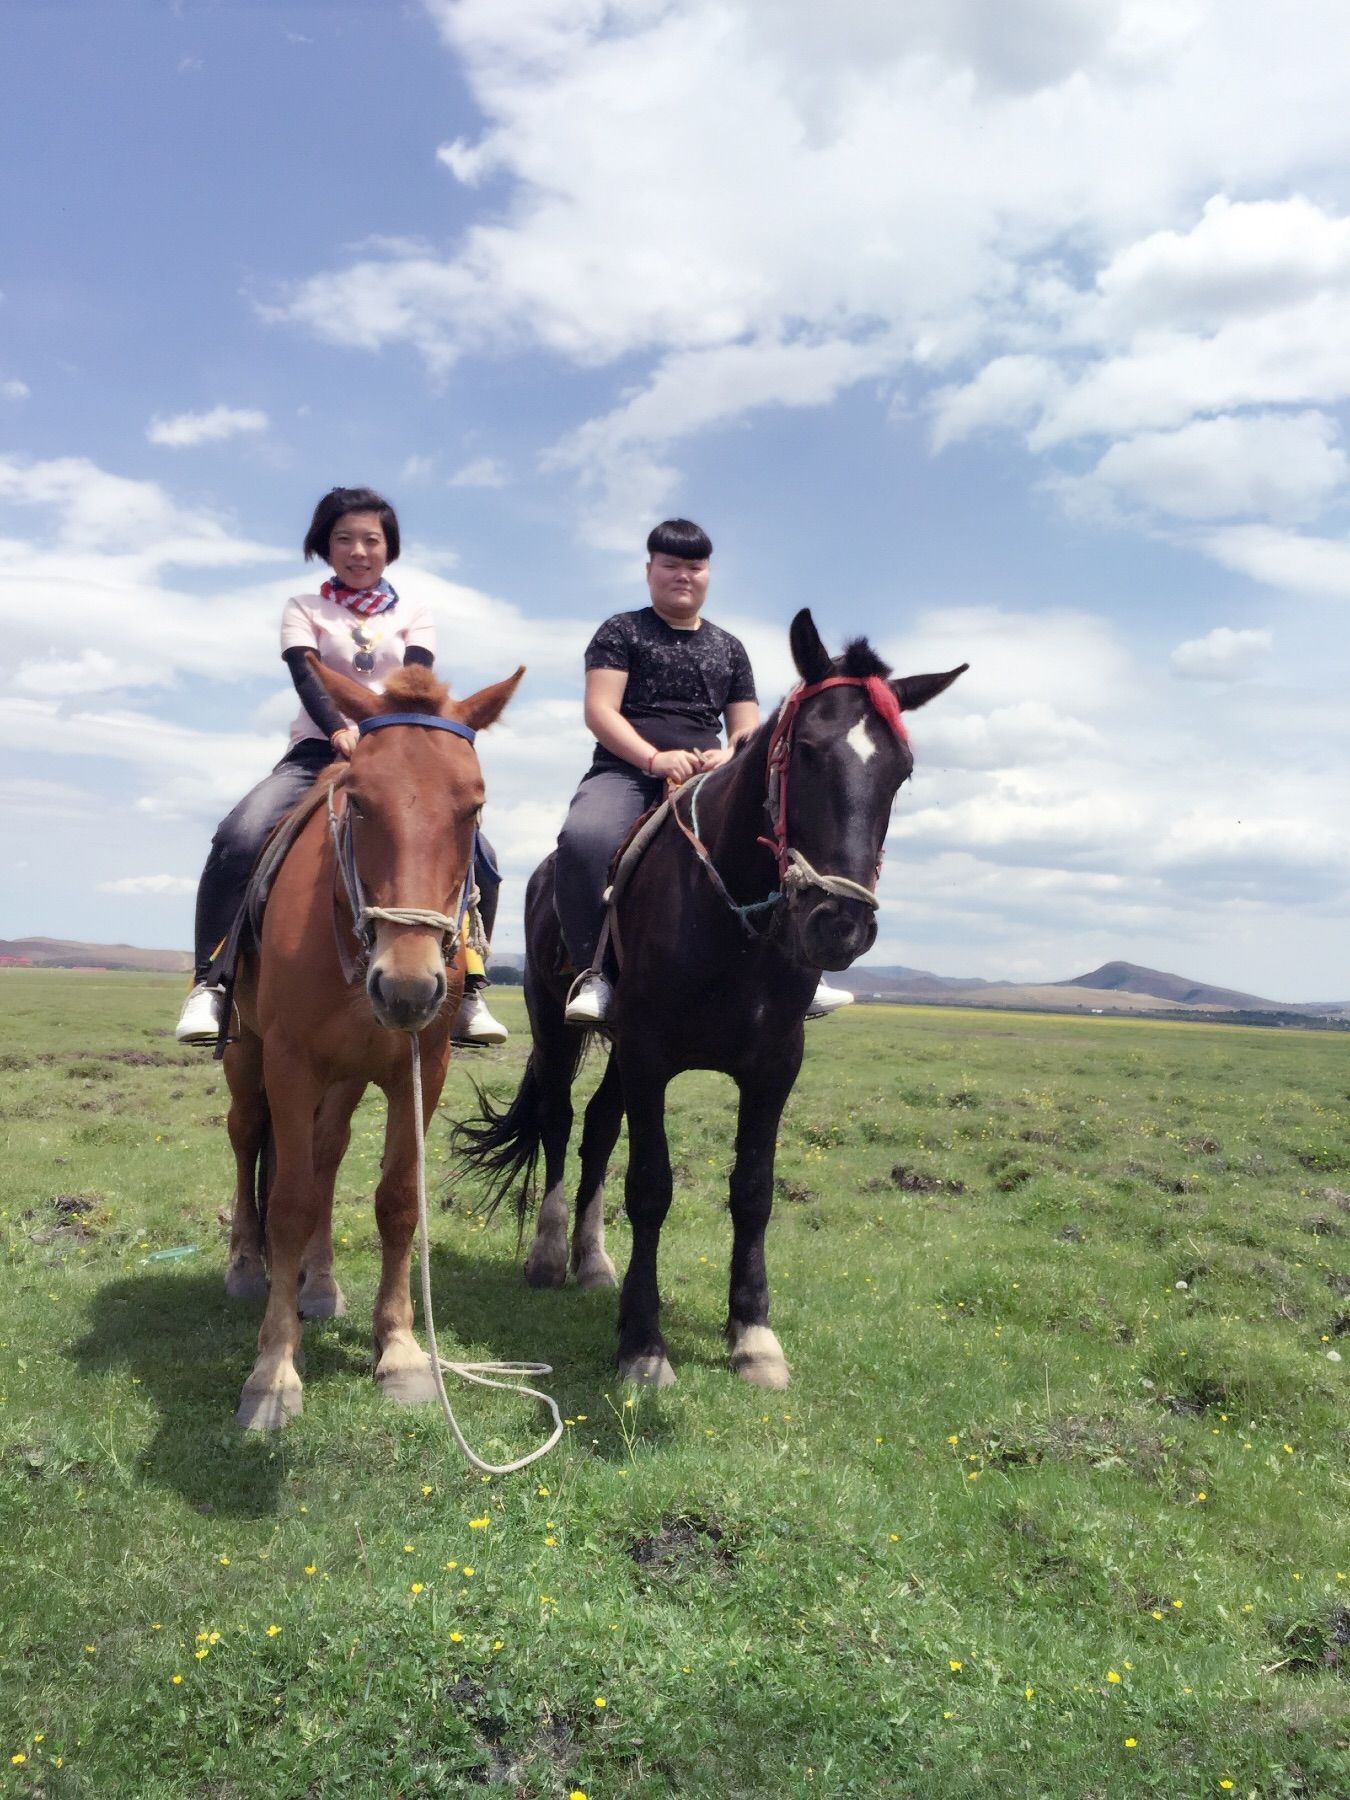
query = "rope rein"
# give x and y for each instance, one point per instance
(482, 1374)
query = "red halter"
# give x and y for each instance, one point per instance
(884, 702)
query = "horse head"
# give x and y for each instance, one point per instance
(838, 756)
(413, 799)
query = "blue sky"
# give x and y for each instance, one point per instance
(1016, 336)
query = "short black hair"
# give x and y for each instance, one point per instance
(680, 537)
(339, 501)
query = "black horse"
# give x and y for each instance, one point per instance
(722, 930)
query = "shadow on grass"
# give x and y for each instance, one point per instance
(486, 1307)
(190, 1348)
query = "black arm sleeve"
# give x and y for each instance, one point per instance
(313, 695)
(416, 654)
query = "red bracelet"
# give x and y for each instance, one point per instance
(651, 759)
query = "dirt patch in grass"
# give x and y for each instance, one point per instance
(1322, 1225)
(793, 1192)
(72, 1206)
(1308, 1645)
(918, 1181)
(685, 1544)
(72, 1232)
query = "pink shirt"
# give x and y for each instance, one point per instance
(313, 623)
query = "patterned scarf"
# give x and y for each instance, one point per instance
(365, 602)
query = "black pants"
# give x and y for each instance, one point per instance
(242, 833)
(598, 820)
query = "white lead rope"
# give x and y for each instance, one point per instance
(480, 1373)
(800, 874)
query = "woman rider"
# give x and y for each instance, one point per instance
(358, 626)
(659, 682)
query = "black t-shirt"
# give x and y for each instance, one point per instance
(679, 682)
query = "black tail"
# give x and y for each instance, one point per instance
(502, 1145)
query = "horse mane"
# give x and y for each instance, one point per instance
(860, 658)
(415, 689)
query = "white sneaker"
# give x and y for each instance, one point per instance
(589, 1002)
(203, 1010)
(474, 1024)
(827, 999)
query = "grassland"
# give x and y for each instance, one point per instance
(1057, 1504)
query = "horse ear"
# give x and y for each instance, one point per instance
(487, 705)
(348, 696)
(808, 652)
(918, 690)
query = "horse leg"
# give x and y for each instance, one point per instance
(320, 1295)
(647, 1194)
(590, 1263)
(402, 1367)
(756, 1354)
(546, 1263)
(272, 1393)
(246, 1277)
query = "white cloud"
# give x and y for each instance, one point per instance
(1222, 655)
(1240, 258)
(91, 672)
(482, 472)
(150, 884)
(1298, 563)
(1283, 466)
(186, 430)
(1062, 223)
(14, 389)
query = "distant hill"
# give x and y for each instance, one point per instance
(1115, 987)
(60, 953)
(1130, 978)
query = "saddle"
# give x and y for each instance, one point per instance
(246, 932)
(626, 859)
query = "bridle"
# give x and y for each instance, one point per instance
(795, 872)
(364, 917)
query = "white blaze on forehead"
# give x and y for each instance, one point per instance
(860, 740)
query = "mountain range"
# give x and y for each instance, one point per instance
(1115, 987)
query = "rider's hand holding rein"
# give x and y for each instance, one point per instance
(345, 741)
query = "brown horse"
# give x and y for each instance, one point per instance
(388, 857)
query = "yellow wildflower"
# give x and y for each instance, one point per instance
(1112, 1677)
(601, 1702)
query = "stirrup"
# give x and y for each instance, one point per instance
(577, 1012)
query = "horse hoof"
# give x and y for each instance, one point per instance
(245, 1280)
(321, 1298)
(757, 1357)
(270, 1408)
(545, 1268)
(597, 1272)
(411, 1384)
(652, 1370)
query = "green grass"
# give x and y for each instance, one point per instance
(1018, 1458)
